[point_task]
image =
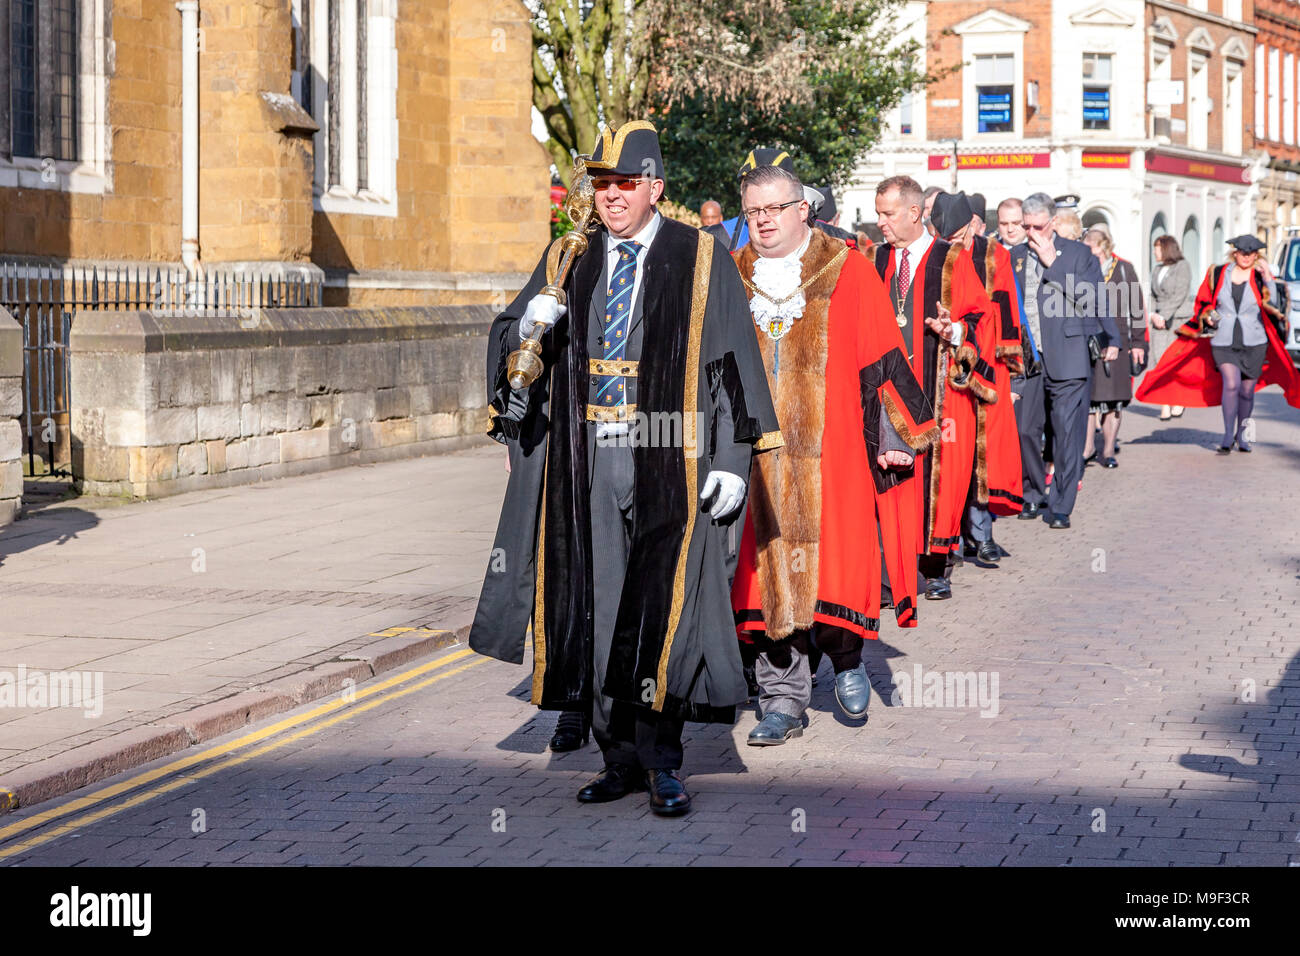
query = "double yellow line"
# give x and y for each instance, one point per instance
(174, 775)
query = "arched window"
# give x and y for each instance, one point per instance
(1216, 239)
(1094, 217)
(1192, 245)
(1158, 229)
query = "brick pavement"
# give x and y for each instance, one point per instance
(1148, 688)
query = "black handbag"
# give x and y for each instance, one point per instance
(1094, 348)
(1136, 368)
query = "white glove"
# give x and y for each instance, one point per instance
(543, 310)
(730, 489)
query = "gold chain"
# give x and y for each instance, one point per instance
(782, 301)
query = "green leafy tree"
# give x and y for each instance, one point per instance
(799, 72)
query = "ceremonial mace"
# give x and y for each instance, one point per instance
(525, 363)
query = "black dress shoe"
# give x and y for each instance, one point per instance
(1059, 521)
(1030, 512)
(1109, 463)
(937, 589)
(668, 796)
(988, 552)
(615, 781)
(571, 732)
(1224, 450)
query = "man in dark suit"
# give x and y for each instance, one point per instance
(1065, 303)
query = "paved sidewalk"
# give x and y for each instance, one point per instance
(188, 600)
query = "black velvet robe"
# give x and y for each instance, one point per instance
(674, 648)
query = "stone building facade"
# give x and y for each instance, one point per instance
(381, 146)
(1276, 69)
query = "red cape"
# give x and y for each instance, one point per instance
(946, 276)
(1187, 374)
(1001, 477)
(808, 552)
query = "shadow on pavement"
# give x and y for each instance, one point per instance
(49, 525)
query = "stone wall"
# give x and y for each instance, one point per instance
(11, 408)
(164, 403)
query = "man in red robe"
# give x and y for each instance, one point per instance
(852, 415)
(939, 304)
(996, 485)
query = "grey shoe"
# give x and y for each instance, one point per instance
(775, 729)
(853, 691)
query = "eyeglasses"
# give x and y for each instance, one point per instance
(1042, 227)
(772, 211)
(626, 185)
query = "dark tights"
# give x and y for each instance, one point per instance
(1238, 402)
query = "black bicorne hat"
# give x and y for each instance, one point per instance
(1246, 244)
(951, 213)
(630, 150)
(828, 208)
(978, 206)
(765, 156)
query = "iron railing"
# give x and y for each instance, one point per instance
(43, 297)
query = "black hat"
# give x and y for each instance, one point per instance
(630, 150)
(765, 156)
(950, 213)
(1246, 244)
(978, 206)
(828, 208)
(1068, 201)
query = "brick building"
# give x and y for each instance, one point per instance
(380, 146)
(1277, 60)
(1050, 97)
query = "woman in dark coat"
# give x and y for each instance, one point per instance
(1171, 304)
(1112, 383)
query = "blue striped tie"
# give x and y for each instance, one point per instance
(618, 322)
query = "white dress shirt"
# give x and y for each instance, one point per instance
(644, 237)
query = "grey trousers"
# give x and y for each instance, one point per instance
(628, 735)
(784, 689)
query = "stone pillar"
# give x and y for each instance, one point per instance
(11, 409)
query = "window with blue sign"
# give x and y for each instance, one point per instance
(1096, 91)
(994, 91)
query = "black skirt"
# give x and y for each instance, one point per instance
(1248, 358)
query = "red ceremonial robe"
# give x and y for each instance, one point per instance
(950, 378)
(1002, 481)
(1187, 374)
(808, 551)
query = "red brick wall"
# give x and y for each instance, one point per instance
(945, 52)
(1279, 27)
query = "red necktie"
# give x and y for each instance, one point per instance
(904, 274)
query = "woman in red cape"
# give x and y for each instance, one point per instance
(1210, 364)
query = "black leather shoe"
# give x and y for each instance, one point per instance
(571, 732)
(1030, 512)
(1109, 463)
(1059, 521)
(988, 552)
(937, 589)
(668, 796)
(614, 782)
(1224, 450)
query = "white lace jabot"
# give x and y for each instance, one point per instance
(775, 279)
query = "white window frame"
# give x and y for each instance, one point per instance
(1110, 90)
(92, 172)
(1259, 90)
(1274, 100)
(379, 198)
(992, 32)
(1198, 106)
(1288, 99)
(1234, 85)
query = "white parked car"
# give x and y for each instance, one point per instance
(1286, 267)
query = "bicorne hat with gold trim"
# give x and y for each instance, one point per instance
(630, 150)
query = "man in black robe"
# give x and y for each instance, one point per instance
(629, 458)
